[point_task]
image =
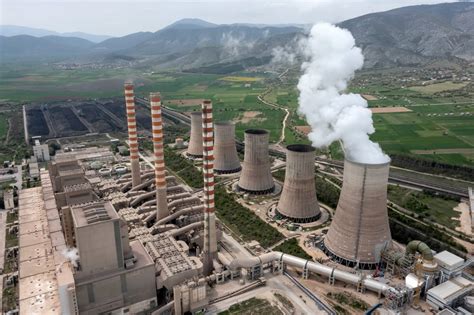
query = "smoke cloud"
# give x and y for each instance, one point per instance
(71, 254)
(331, 60)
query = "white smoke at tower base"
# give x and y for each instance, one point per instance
(332, 58)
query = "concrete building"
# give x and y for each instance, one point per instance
(450, 265)
(41, 151)
(449, 293)
(132, 134)
(256, 176)
(195, 138)
(226, 159)
(298, 201)
(113, 273)
(45, 275)
(8, 200)
(360, 228)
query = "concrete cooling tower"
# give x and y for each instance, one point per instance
(298, 200)
(195, 139)
(360, 228)
(256, 176)
(226, 160)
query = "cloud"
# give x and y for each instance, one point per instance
(331, 60)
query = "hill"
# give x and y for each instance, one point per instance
(407, 36)
(415, 35)
(25, 47)
(14, 30)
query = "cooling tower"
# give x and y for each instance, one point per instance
(256, 176)
(132, 133)
(298, 200)
(195, 139)
(160, 175)
(360, 228)
(209, 252)
(226, 160)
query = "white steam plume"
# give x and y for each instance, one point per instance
(332, 59)
(71, 254)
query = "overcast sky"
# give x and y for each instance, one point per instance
(121, 17)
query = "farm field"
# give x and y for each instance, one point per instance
(435, 126)
(3, 126)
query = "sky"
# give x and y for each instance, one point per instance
(121, 17)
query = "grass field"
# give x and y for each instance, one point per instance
(438, 127)
(241, 79)
(437, 209)
(438, 87)
(3, 126)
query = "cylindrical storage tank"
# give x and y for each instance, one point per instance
(195, 139)
(226, 160)
(298, 201)
(256, 176)
(360, 228)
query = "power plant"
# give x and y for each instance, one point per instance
(225, 152)
(360, 231)
(99, 237)
(298, 201)
(195, 138)
(256, 176)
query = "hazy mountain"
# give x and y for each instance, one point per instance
(14, 30)
(190, 23)
(406, 36)
(21, 47)
(415, 34)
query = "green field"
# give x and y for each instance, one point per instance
(438, 87)
(440, 126)
(438, 209)
(3, 126)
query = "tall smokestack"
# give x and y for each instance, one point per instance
(160, 176)
(360, 228)
(210, 242)
(256, 176)
(195, 139)
(298, 200)
(226, 158)
(132, 133)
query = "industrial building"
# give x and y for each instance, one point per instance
(360, 230)
(298, 201)
(41, 151)
(225, 152)
(256, 176)
(195, 137)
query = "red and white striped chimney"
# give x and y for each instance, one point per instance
(210, 242)
(132, 133)
(160, 176)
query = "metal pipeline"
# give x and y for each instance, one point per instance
(420, 247)
(162, 228)
(314, 267)
(179, 213)
(187, 228)
(184, 201)
(142, 185)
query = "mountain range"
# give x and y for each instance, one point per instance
(406, 36)
(14, 30)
